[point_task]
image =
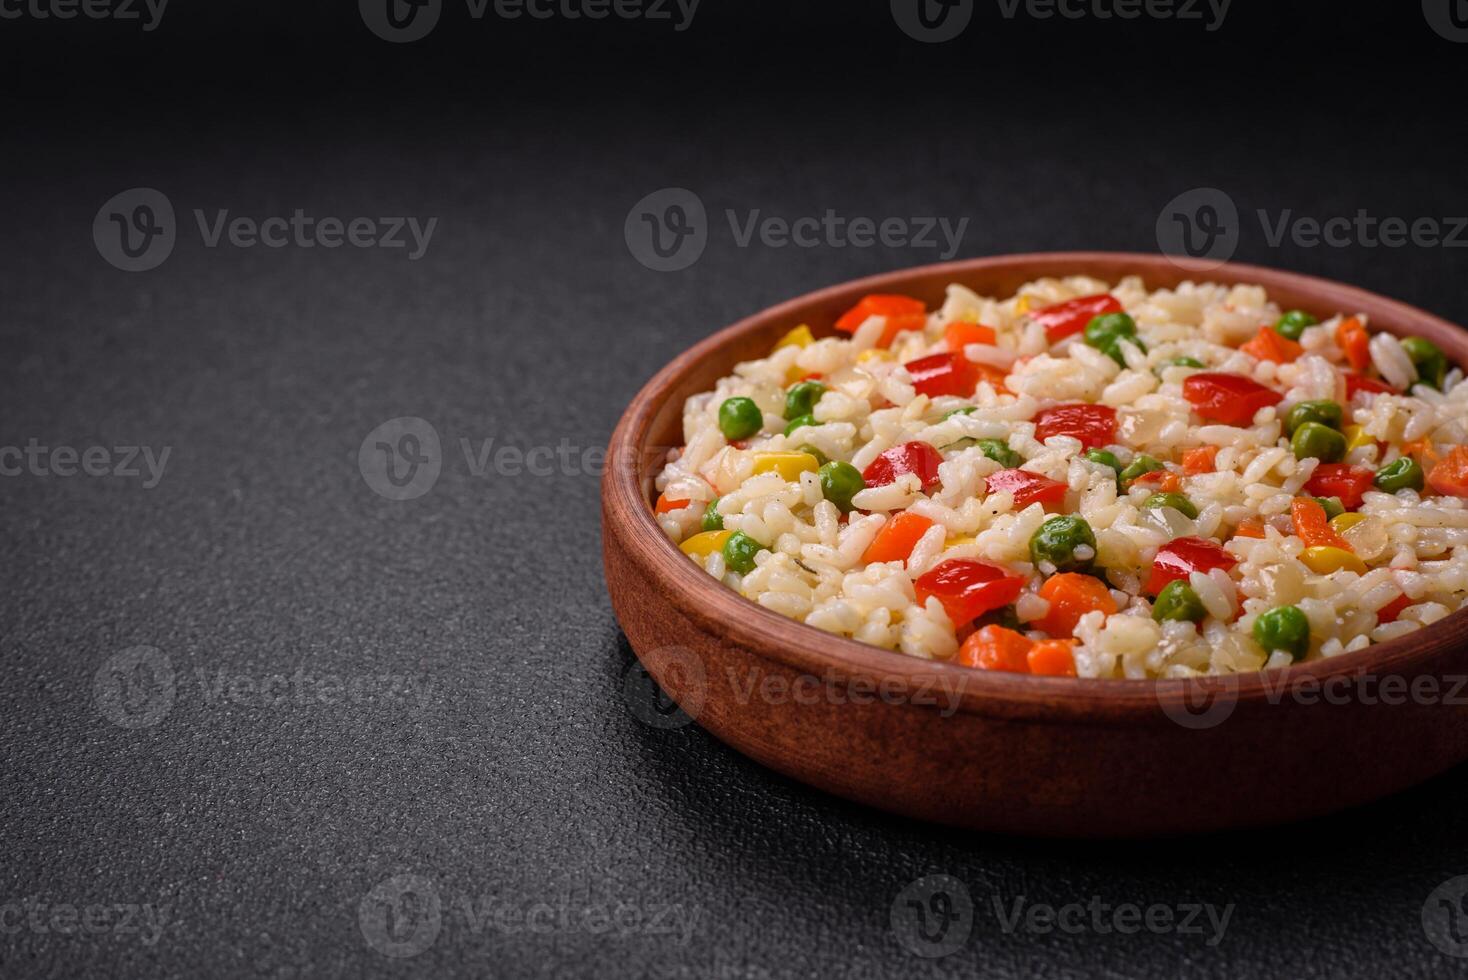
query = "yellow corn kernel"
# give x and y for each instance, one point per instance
(1342, 523)
(799, 337)
(1323, 560)
(788, 465)
(874, 354)
(1023, 305)
(961, 539)
(1356, 437)
(705, 543)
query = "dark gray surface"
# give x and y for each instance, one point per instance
(521, 778)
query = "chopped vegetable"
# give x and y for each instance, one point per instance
(800, 422)
(798, 337)
(1340, 480)
(1356, 437)
(839, 483)
(740, 418)
(1093, 425)
(1182, 556)
(1327, 413)
(960, 333)
(967, 589)
(1355, 384)
(1293, 323)
(1400, 474)
(1165, 481)
(1318, 441)
(814, 453)
(1056, 541)
(943, 374)
(1312, 526)
(802, 397)
(879, 304)
(910, 457)
(705, 543)
(1354, 342)
(1000, 452)
(788, 465)
(1061, 320)
(712, 519)
(1283, 628)
(1228, 398)
(1104, 458)
(1107, 331)
(664, 505)
(1176, 501)
(1200, 460)
(1071, 595)
(1389, 612)
(897, 538)
(1342, 523)
(1250, 527)
(1054, 658)
(1178, 601)
(1450, 476)
(1323, 560)
(1026, 487)
(1138, 466)
(996, 648)
(1271, 345)
(1428, 359)
(739, 552)
(1332, 506)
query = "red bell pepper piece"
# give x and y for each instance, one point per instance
(1061, 320)
(1389, 612)
(961, 333)
(1450, 475)
(1228, 398)
(968, 589)
(1093, 425)
(910, 457)
(1181, 556)
(943, 374)
(1340, 480)
(1355, 384)
(1026, 487)
(878, 304)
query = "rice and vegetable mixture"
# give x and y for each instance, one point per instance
(1085, 479)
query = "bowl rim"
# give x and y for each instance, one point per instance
(808, 649)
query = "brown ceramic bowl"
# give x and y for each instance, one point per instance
(1008, 752)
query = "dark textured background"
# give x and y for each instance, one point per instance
(523, 778)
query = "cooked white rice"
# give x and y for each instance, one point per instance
(1414, 545)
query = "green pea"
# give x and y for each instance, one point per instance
(1400, 474)
(1177, 600)
(1429, 360)
(739, 552)
(802, 397)
(1105, 333)
(1176, 501)
(1325, 412)
(839, 483)
(799, 421)
(821, 458)
(965, 410)
(1138, 466)
(1293, 323)
(1056, 542)
(1319, 441)
(1104, 458)
(712, 519)
(1283, 628)
(998, 450)
(740, 418)
(1331, 505)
